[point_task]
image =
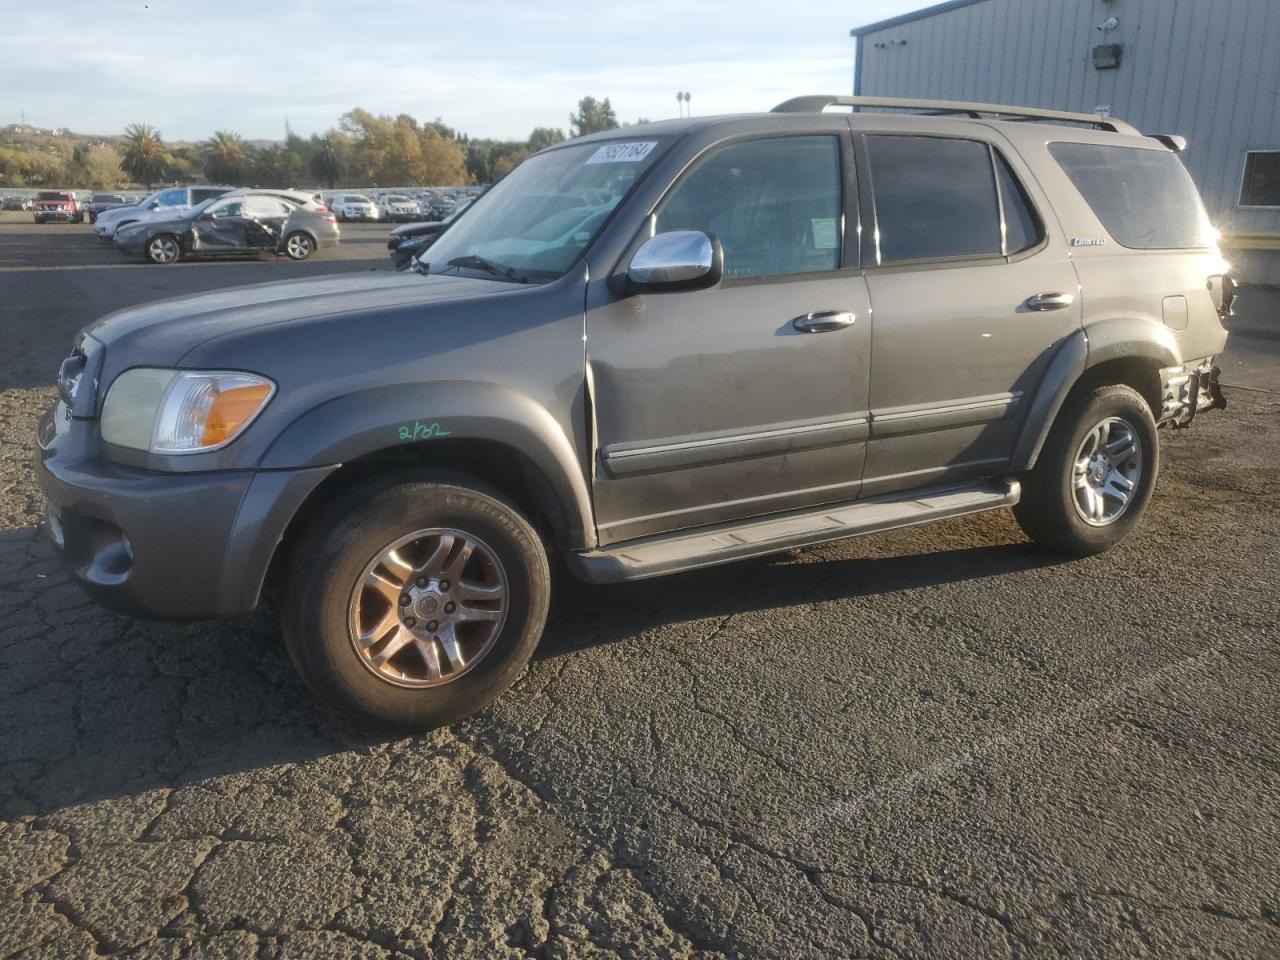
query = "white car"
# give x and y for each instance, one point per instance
(396, 206)
(161, 203)
(353, 206)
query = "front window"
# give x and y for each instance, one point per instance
(537, 221)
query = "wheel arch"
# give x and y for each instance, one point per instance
(500, 437)
(1121, 350)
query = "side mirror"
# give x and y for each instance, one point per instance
(679, 260)
(155, 204)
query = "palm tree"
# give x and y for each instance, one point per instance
(144, 156)
(328, 158)
(226, 157)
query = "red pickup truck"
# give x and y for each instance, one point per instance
(57, 205)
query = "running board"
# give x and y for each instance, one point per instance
(725, 542)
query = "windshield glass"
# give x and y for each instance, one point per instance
(395, 199)
(355, 198)
(538, 220)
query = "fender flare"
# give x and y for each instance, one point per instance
(1113, 339)
(370, 421)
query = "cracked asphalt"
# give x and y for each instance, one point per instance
(939, 742)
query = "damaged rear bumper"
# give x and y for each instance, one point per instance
(1188, 390)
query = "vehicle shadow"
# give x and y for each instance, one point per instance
(97, 707)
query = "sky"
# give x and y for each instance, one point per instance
(495, 69)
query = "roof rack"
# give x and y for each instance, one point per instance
(818, 103)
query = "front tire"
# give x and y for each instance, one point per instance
(414, 601)
(163, 249)
(299, 245)
(1095, 475)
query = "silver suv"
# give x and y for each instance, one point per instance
(648, 351)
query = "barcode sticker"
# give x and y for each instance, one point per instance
(631, 152)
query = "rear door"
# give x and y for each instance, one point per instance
(715, 404)
(265, 221)
(972, 290)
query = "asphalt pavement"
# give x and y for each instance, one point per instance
(938, 742)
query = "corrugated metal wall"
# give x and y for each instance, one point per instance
(1208, 69)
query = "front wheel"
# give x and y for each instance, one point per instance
(298, 245)
(1096, 473)
(164, 249)
(415, 601)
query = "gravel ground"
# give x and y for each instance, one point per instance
(939, 742)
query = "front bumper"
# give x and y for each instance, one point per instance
(163, 546)
(1190, 390)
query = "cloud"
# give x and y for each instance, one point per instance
(247, 66)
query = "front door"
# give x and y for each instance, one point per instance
(726, 403)
(220, 228)
(972, 290)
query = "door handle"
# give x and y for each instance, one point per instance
(1049, 301)
(824, 322)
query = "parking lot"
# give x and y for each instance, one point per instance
(940, 742)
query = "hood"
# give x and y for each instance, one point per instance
(157, 220)
(161, 333)
(122, 211)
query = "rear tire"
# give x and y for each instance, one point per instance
(1095, 475)
(402, 675)
(299, 245)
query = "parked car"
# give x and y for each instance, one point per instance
(16, 203)
(100, 202)
(397, 207)
(56, 205)
(235, 224)
(157, 205)
(353, 206)
(410, 239)
(648, 351)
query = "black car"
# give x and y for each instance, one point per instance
(410, 239)
(99, 202)
(234, 224)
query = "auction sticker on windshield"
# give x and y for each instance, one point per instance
(632, 151)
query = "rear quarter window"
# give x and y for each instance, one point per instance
(1144, 198)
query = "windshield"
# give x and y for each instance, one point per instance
(51, 195)
(537, 221)
(395, 199)
(355, 198)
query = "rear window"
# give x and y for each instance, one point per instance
(1144, 198)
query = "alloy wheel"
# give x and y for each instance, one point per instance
(163, 250)
(428, 607)
(1106, 471)
(298, 246)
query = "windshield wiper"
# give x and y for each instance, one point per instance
(488, 266)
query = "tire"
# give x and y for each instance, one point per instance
(163, 249)
(327, 599)
(1072, 501)
(299, 245)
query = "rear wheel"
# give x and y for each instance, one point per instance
(414, 602)
(1096, 473)
(163, 249)
(299, 245)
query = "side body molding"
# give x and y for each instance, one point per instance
(369, 421)
(1112, 339)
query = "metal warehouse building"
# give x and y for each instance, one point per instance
(1207, 69)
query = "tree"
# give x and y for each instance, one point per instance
(443, 161)
(329, 156)
(99, 167)
(507, 162)
(226, 157)
(593, 116)
(144, 154)
(543, 137)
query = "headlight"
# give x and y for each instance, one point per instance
(181, 411)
